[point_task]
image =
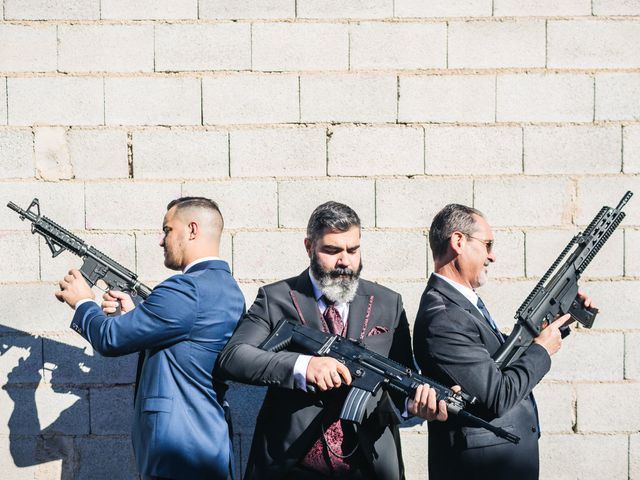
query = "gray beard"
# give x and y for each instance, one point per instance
(335, 288)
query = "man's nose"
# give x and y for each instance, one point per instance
(343, 260)
(491, 257)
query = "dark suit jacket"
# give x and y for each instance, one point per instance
(453, 343)
(179, 430)
(290, 419)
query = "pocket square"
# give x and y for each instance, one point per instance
(377, 330)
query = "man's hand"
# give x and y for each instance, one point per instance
(423, 404)
(551, 338)
(74, 288)
(327, 373)
(111, 299)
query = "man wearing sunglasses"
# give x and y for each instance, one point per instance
(454, 340)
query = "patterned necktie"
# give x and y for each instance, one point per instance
(489, 319)
(332, 317)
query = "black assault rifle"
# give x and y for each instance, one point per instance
(97, 267)
(370, 372)
(558, 295)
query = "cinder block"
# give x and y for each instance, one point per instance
(52, 157)
(119, 247)
(592, 417)
(442, 8)
(617, 303)
(152, 101)
(414, 453)
(111, 412)
(142, 205)
(616, 7)
(150, 258)
(634, 456)
(298, 198)
(235, 9)
(593, 44)
(3, 101)
(544, 246)
(179, 153)
(411, 292)
(414, 202)
(16, 152)
(27, 48)
(595, 192)
(375, 151)
(409, 246)
(591, 356)
(149, 10)
(509, 253)
(70, 360)
(592, 456)
(250, 99)
(617, 96)
(111, 48)
(572, 149)
(268, 256)
(224, 46)
(278, 152)
(98, 154)
(42, 410)
(398, 46)
(632, 356)
(243, 203)
(450, 98)
(105, 458)
(55, 101)
(52, 10)
(540, 8)
(299, 46)
(482, 44)
(524, 201)
(473, 150)
(503, 297)
(556, 407)
(21, 359)
(20, 259)
(631, 253)
(631, 148)
(337, 9)
(348, 98)
(61, 202)
(544, 98)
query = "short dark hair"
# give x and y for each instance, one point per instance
(332, 216)
(198, 202)
(452, 218)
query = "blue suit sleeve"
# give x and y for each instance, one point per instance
(166, 317)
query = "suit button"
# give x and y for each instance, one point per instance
(534, 429)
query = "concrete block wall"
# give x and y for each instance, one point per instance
(528, 110)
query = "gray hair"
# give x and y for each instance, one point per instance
(452, 218)
(331, 216)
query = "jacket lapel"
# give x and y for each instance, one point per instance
(305, 302)
(460, 300)
(357, 313)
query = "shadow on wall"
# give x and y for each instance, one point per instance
(65, 412)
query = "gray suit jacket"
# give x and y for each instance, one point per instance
(453, 343)
(290, 419)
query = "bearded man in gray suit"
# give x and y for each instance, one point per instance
(298, 433)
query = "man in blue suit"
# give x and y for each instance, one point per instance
(179, 429)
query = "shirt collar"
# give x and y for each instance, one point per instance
(199, 260)
(465, 291)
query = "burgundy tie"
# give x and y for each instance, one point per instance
(333, 318)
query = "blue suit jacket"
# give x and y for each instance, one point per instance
(179, 430)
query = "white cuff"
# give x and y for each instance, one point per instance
(300, 372)
(85, 300)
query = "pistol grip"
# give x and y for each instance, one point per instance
(585, 316)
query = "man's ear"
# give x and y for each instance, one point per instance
(194, 229)
(457, 241)
(308, 245)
